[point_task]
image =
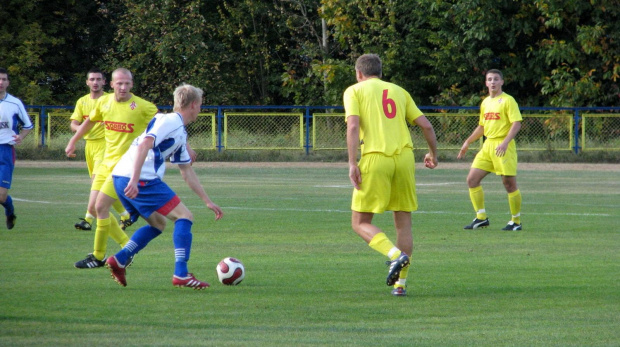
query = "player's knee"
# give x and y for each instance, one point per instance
(473, 182)
(181, 214)
(510, 183)
(101, 209)
(187, 215)
(158, 224)
(510, 187)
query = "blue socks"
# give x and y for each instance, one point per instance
(9, 210)
(182, 238)
(138, 240)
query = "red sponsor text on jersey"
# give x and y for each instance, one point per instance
(491, 116)
(120, 127)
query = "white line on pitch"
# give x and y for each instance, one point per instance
(417, 185)
(349, 211)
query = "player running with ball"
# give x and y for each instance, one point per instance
(138, 183)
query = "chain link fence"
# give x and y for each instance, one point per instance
(222, 128)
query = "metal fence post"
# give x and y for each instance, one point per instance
(219, 119)
(577, 120)
(307, 130)
(43, 125)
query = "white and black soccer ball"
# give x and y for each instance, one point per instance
(230, 271)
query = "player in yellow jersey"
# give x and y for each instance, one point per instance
(125, 116)
(377, 114)
(500, 121)
(95, 145)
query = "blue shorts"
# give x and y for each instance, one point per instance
(7, 165)
(153, 196)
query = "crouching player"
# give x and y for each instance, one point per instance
(138, 183)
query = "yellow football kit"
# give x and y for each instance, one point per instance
(95, 143)
(387, 163)
(123, 122)
(496, 116)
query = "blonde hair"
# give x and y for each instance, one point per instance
(184, 95)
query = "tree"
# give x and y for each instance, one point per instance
(48, 46)
(316, 72)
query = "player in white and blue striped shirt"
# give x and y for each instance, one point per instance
(15, 124)
(138, 183)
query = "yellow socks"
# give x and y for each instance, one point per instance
(402, 278)
(120, 209)
(514, 200)
(89, 218)
(116, 233)
(383, 245)
(108, 227)
(101, 238)
(477, 199)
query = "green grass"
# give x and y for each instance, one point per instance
(310, 280)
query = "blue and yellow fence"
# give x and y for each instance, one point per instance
(321, 128)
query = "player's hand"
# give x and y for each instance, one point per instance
(355, 176)
(430, 161)
(192, 155)
(17, 139)
(217, 210)
(70, 150)
(131, 191)
(501, 149)
(463, 150)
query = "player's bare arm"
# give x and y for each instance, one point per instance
(192, 154)
(190, 177)
(430, 159)
(131, 191)
(353, 141)
(475, 135)
(514, 130)
(75, 125)
(19, 137)
(81, 131)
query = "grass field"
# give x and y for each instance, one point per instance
(310, 280)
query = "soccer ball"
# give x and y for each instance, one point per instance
(230, 271)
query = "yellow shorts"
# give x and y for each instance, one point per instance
(94, 151)
(488, 161)
(103, 181)
(388, 183)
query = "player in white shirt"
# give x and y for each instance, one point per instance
(138, 182)
(15, 124)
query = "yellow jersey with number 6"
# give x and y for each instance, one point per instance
(384, 109)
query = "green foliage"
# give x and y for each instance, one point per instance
(48, 46)
(168, 49)
(552, 52)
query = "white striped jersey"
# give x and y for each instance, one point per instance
(170, 143)
(12, 116)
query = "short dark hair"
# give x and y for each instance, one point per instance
(496, 71)
(3, 70)
(95, 70)
(369, 65)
